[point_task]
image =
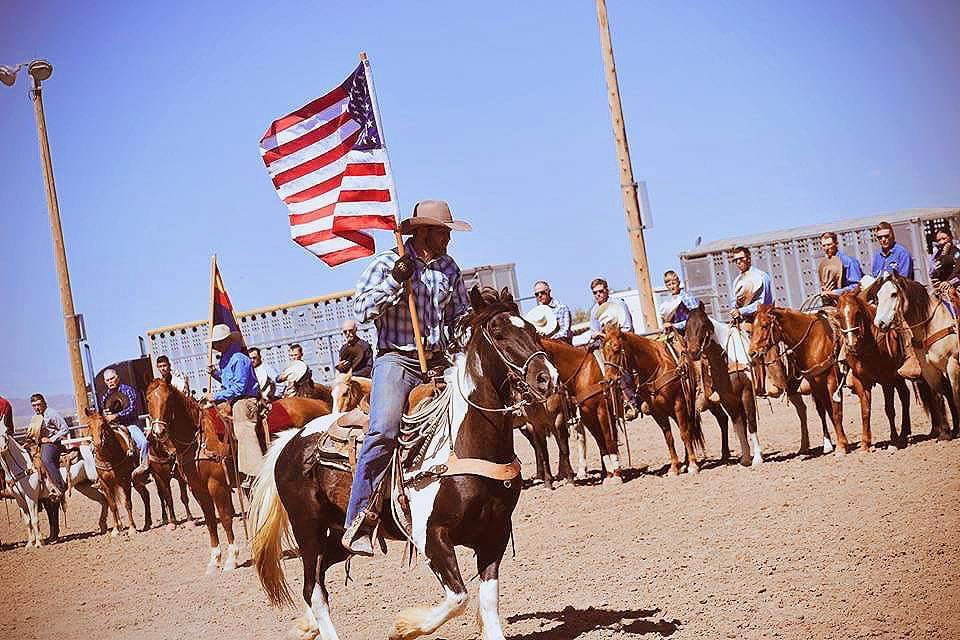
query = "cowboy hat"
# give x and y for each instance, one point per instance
(543, 319)
(611, 311)
(295, 371)
(432, 213)
(747, 286)
(116, 402)
(220, 332)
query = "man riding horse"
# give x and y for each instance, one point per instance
(441, 299)
(891, 256)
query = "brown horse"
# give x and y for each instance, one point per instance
(809, 341)
(349, 392)
(114, 471)
(183, 428)
(294, 413)
(660, 382)
(873, 356)
(535, 424)
(164, 468)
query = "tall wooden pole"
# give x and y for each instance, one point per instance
(60, 255)
(627, 184)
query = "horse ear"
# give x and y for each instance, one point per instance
(506, 296)
(476, 299)
(702, 307)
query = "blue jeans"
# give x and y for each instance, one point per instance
(394, 375)
(140, 440)
(50, 454)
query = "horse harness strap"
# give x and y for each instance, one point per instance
(938, 335)
(477, 467)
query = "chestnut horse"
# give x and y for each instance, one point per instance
(349, 392)
(660, 382)
(164, 468)
(114, 471)
(449, 505)
(873, 356)
(725, 351)
(934, 334)
(183, 428)
(809, 341)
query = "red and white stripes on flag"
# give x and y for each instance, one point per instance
(329, 165)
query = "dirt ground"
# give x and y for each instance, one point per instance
(800, 547)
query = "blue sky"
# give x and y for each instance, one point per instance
(742, 117)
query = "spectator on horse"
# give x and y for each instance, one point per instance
(176, 379)
(674, 310)
(541, 291)
(297, 378)
(891, 256)
(266, 376)
(751, 288)
(126, 417)
(604, 309)
(240, 391)
(441, 299)
(356, 355)
(838, 272)
(945, 264)
(53, 429)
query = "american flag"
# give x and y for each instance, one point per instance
(329, 165)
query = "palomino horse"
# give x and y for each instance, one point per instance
(659, 379)
(349, 392)
(449, 506)
(809, 341)
(934, 333)
(726, 351)
(114, 470)
(164, 468)
(874, 356)
(185, 429)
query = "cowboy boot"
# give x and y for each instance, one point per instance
(910, 368)
(139, 475)
(357, 538)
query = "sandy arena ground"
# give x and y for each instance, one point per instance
(801, 547)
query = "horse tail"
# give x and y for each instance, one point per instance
(271, 526)
(696, 434)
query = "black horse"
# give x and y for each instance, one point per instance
(462, 491)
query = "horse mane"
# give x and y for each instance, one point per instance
(918, 299)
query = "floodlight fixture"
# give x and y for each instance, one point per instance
(40, 70)
(8, 75)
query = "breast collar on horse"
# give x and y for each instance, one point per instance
(789, 352)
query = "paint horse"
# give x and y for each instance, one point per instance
(810, 342)
(934, 336)
(726, 352)
(662, 382)
(461, 492)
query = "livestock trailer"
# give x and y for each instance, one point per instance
(791, 256)
(314, 323)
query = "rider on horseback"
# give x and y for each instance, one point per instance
(893, 256)
(441, 299)
(126, 417)
(53, 429)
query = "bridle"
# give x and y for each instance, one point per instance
(164, 435)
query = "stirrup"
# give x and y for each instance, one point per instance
(356, 541)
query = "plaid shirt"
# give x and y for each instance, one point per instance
(438, 289)
(132, 412)
(562, 312)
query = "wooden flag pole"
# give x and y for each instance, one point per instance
(411, 301)
(627, 184)
(213, 286)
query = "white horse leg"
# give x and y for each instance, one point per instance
(757, 449)
(490, 610)
(953, 376)
(317, 618)
(214, 560)
(232, 554)
(35, 522)
(580, 450)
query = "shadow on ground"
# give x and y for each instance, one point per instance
(575, 622)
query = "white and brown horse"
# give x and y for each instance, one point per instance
(448, 508)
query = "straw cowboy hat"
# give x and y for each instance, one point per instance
(748, 285)
(543, 319)
(116, 402)
(432, 213)
(295, 371)
(220, 332)
(611, 311)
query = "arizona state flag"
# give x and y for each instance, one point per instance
(222, 308)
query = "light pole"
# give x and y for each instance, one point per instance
(40, 71)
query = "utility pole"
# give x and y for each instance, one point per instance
(41, 70)
(628, 186)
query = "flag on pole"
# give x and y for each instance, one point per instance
(222, 307)
(329, 165)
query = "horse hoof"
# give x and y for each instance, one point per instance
(304, 631)
(407, 624)
(757, 461)
(171, 526)
(867, 448)
(840, 453)
(612, 480)
(827, 447)
(674, 471)
(694, 469)
(114, 533)
(211, 569)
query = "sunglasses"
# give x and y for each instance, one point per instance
(540, 293)
(739, 259)
(597, 292)
(883, 236)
